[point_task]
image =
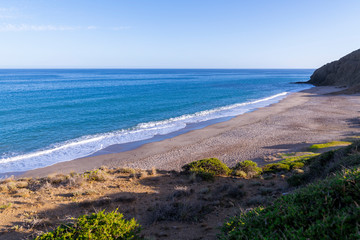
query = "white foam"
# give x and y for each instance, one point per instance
(88, 145)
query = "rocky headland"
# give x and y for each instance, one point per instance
(344, 72)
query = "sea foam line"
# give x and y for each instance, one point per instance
(88, 145)
(208, 112)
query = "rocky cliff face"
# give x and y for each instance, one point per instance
(344, 72)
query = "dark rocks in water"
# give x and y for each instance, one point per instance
(343, 72)
(299, 82)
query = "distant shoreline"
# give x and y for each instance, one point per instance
(295, 122)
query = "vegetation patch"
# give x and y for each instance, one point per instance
(239, 173)
(207, 168)
(316, 147)
(289, 163)
(325, 210)
(5, 206)
(298, 161)
(95, 175)
(275, 167)
(97, 226)
(248, 167)
(328, 163)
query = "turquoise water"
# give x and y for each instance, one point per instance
(49, 116)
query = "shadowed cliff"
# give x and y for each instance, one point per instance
(343, 72)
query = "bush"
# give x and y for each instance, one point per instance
(207, 168)
(296, 162)
(95, 175)
(97, 226)
(290, 163)
(239, 173)
(275, 167)
(296, 165)
(325, 210)
(249, 167)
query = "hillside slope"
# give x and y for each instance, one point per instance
(343, 72)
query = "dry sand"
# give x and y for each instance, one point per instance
(303, 118)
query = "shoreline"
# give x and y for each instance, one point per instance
(189, 126)
(236, 139)
(191, 122)
(124, 147)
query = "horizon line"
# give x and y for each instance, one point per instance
(138, 68)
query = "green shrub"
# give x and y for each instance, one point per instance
(290, 163)
(239, 173)
(97, 226)
(95, 175)
(249, 167)
(302, 158)
(326, 210)
(296, 162)
(207, 168)
(316, 147)
(296, 165)
(275, 167)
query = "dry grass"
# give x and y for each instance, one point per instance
(57, 179)
(153, 171)
(22, 184)
(3, 188)
(124, 170)
(11, 186)
(143, 174)
(5, 206)
(24, 193)
(156, 199)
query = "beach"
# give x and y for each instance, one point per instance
(86, 112)
(182, 120)
(291, 125)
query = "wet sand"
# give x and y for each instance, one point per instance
(299, 120)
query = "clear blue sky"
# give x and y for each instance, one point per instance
(176, 33)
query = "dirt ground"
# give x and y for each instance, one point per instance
(168, 205)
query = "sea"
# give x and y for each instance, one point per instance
(54, 115)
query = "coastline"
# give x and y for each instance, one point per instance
(296, 121)
(131, 138)
(124, 147)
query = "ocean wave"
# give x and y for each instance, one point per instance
(88, 145)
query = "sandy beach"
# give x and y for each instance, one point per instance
(299, 120)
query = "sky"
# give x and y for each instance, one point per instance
(176, 33)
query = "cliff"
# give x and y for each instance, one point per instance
(343, 72)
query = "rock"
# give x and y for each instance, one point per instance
(344, 72)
